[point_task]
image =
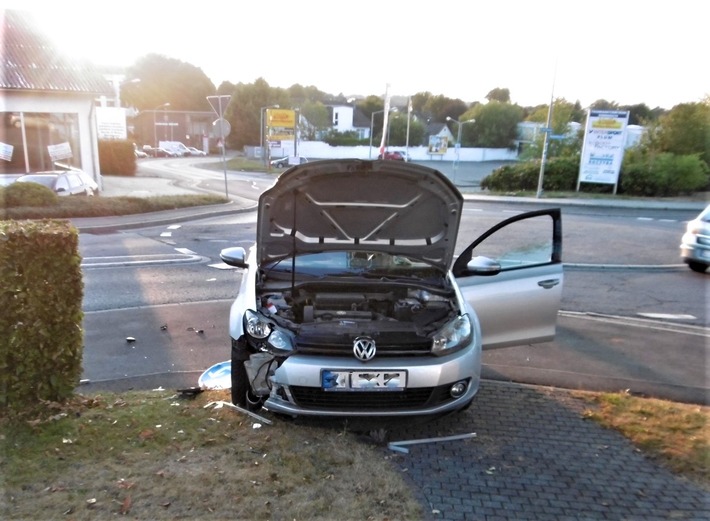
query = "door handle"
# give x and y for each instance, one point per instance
(549, 283)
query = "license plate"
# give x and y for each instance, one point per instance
(364, 380)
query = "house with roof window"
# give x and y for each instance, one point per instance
(47, 102)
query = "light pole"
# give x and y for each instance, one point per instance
(458, 140)
(372, 123)
(155, 125)
(262, 130)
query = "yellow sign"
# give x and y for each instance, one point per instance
(280, 118)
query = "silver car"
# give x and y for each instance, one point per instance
(64, 182)
(351, 302)
(695, 243)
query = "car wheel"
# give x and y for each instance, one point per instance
(698, 266)
(240, 380)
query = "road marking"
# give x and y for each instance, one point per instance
(174, 226)
(221, 266)
(166, 234)
(186, 251)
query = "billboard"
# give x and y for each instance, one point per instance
(438, 145)
(280, 125)
(111, 123)
(603, 148)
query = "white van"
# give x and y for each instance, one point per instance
(176, 147)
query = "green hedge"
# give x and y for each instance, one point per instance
(41, 321)
(28, 194)
(658, 175)
(117, 158)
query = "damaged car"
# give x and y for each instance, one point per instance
(354, 301)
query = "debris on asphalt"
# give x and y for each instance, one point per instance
(130, 339)
(219, 404)
(163, 327)
(398, 445)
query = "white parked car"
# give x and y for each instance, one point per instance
(695, 243)
(351, 302)
(64, 182)
(196, 152)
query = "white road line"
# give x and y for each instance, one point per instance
(166, 234)
(186, 251)
(174, 226)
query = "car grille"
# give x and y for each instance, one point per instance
(387, 346)
(315, 398)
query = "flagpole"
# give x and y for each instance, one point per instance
(383, 143)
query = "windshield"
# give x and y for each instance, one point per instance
(46, 180)
(354, 263)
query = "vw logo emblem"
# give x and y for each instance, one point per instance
(364, 348)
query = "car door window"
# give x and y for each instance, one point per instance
(62, 184)
(512, 277)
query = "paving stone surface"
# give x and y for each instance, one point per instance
(535, 457)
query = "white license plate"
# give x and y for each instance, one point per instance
(332, 380)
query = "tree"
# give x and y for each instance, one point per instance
(166, 80)
(684, 130)
(602, 104)
(496, 125)
(398, 130)
(244, 111)
(498, 94)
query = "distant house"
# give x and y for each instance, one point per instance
(47, 102)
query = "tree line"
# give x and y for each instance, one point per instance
(682, 130)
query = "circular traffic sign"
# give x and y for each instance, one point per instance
(221, 126)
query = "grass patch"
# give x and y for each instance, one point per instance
(68, 207)
(153, 455)
(675, 435)
(241, 164)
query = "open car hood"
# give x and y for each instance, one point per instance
(351, 204)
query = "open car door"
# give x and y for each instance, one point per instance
(512, 277)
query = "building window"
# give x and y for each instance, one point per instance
(34, 141)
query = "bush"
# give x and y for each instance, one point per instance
(663, 175)
(560, 175)
(41, 320)
(28, 194)
(117, 158)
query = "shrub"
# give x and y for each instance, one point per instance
(41, 319)
(560, 175)
(117, 158)
(663, 175)
(29, 194)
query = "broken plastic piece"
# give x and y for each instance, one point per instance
(397, 445)
(130, 339)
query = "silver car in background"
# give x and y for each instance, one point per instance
(351, 302)
(695, 243)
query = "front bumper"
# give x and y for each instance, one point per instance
(297, 390)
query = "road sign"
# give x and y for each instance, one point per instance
(219, 103)
(221, 127)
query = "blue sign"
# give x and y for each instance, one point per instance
(219, 376)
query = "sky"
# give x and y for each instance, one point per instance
(627, 51)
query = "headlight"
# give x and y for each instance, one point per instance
(264, 335)
(453, 336)
(255, 325)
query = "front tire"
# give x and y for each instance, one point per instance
(698, 267)
(240, 380)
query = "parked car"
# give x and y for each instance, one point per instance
(158, 152)
(351, 302)
(196, 152)
(283, 162)
(64, 182)
(394, 155)
(695, 243)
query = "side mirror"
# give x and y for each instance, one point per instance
(235, 256)
(483, 266)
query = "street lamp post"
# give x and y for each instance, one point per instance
(155, 125)
(458, 140)
(262, 130)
